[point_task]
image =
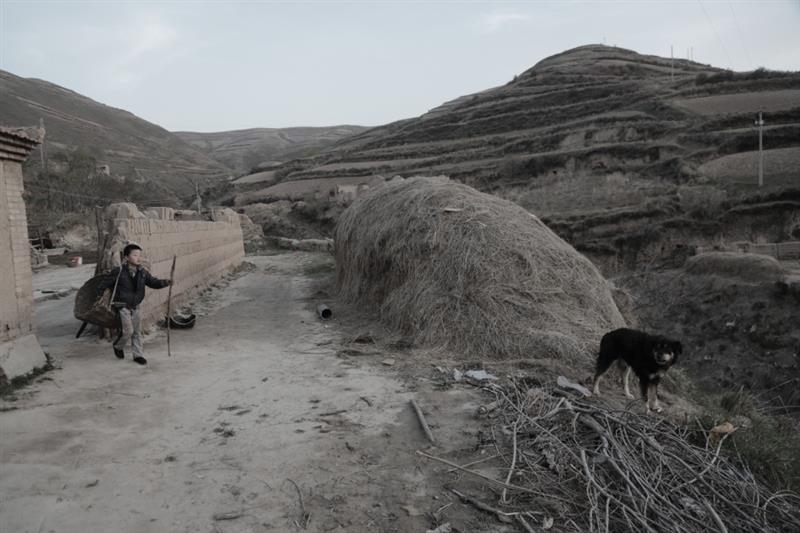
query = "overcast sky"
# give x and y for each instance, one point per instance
(212, 66)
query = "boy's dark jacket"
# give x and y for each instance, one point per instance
(130, 290)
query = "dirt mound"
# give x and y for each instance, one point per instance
(754, 268)
(450, 266)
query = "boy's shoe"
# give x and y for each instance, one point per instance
(119, 353)
(139, 359)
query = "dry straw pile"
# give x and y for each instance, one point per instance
(453, 267)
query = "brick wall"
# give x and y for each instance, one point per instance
(205, 250)
(20, 352)
(16, 291)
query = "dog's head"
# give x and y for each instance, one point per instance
(665, 351)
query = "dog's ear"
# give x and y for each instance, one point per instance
(677, 347)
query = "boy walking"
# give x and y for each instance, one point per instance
(130, 293)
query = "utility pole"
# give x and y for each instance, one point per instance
(42, 157)
(760, 123)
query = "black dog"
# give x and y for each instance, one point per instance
(648, 355)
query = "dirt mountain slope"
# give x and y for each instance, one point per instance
(130, 146)
(242, 150)
(596, 137)
(593, 111)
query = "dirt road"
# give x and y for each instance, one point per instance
(251, 414)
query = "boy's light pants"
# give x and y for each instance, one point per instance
(131, 331)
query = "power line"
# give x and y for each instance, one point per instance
(714, 29)
(741, 36)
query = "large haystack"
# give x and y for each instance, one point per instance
(468, 271)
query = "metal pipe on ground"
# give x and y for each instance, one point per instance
(324, 312)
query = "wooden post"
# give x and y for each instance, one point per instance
(169, 302)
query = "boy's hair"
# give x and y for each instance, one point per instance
(128, 249)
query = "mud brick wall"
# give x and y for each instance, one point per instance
(16, 290)
(20, 352)
(16, 278)
(205, 251)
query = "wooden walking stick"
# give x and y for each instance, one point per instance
(169, 302)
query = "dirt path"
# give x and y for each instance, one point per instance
(208, 439)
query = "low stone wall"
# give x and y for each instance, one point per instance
(205, 250)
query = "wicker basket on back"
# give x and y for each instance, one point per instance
(98, 311)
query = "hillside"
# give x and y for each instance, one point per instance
(592, 137)
(591, 111)
(132, 147)
(242, 150)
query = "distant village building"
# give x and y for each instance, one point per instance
(20, 352)
(102, 170)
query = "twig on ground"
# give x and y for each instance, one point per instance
(473, 463)
(332, 413)
(525, 525)
(716, 517)
(478, 474)
(305, 517)
(422, 421)
(503, 517)
(231, 515)
(503, 498)
(366, 400)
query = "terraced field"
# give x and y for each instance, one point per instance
(241, 150)
(781, 167)
(588, 137)
(593, 110)
(751, 102)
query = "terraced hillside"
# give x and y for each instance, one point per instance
(591, 137)
(130, 146)
(242, 150)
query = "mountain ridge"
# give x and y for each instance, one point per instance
(619, 151)
(244, 149)
(132, 147)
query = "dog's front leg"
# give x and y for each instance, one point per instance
(652, 398)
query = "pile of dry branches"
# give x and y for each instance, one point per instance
(591, 469)
(450, 266)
